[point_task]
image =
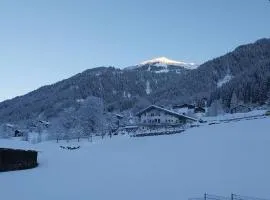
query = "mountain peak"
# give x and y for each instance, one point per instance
(161, 61)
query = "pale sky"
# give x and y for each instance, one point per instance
(45, 41)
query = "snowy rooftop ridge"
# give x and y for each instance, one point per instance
(166, 110)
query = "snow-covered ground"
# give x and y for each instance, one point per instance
(218, 159)
(228, 116)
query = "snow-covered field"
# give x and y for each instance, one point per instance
(228, 116)
(219, 159)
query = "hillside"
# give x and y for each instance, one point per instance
(245, 72)
(218, 159)
(248, 64)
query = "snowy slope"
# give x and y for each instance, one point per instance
(219, 159)
(164, 63)
(226, 79)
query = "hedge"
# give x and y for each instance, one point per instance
(16, 159)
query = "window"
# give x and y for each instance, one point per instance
(158, 120)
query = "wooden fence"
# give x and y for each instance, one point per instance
(231, 197)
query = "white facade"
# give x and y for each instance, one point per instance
(157, 115)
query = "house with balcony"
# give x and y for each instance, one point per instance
(159, 116)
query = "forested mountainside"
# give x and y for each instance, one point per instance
(245, 72)
(119, 89)
(247, 63)
(251, 80)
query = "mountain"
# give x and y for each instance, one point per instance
(244, 72)
(165, 61)
(163, 65)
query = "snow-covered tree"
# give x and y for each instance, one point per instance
(91, 115)
(215, 108)
(234, 101)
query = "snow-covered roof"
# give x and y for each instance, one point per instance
(190, 106)
(44, 122)
(241, 106)
(10, 125)
(129, 127)
(118, 115)
(165, 110)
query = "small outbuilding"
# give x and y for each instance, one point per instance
(199, 110)
(184, 108)
(240, 109)
(18, 133)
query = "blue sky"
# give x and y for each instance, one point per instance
(44, 41)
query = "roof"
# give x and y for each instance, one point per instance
(184, 106)
(44, 122)
(243, 106)
(10, 125)
(165, 110)
(129, 127)
(199, 109)
(118, 115)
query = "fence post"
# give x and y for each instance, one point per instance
(205, 196)
(232, 196)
